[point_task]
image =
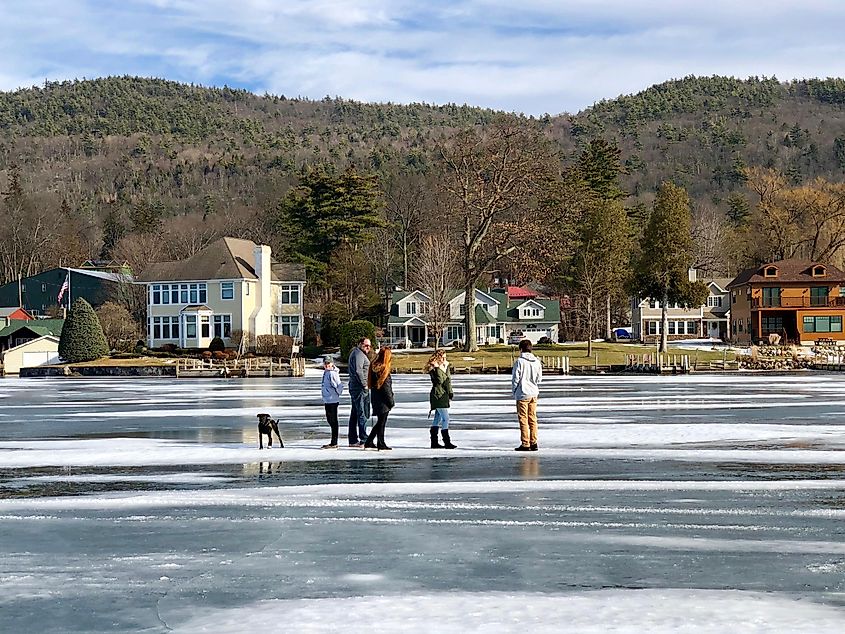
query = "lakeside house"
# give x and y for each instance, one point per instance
(711, 320)
(20, 331)
(39, 293)
(500, 315)
(231, 285)
(801, 300)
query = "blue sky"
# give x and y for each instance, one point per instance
(531, 56)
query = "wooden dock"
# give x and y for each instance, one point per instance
(239, 368)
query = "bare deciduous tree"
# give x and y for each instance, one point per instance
(435, 275)
(488, 176)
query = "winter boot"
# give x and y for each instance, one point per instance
(447, 443)
(434, 443)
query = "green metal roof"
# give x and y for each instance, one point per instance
(39, 326)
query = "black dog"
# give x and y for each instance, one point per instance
(266, 426)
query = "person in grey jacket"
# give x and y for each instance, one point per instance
(331, 389)
(359, 369)
(525, 387)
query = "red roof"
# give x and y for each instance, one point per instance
(15, 312)
(519, 292)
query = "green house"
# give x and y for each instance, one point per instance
(38, 293)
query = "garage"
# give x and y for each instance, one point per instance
(30, 354)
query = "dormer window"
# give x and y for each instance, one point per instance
(770, 271)
(819, 270)
(412, 308)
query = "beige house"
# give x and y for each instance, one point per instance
(34, 352)
(231, 285)
(709, 321)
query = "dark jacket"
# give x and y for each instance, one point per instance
(441, 388)
(381, 398)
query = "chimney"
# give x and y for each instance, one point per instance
(691, 273)
(260, 317)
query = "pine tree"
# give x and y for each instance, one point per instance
(662, 269)
(82, 335)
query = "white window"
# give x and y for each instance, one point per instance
(671, 327)
(183, 294)
(165, 327)
(156, 294)
(714, 301)
(653, 327)
(223, 326)
(290, 294)
(286, 325)
(191, 326)
(411, 308)
(227, 290)
(205, 326)
(454, 333)
(652, 303)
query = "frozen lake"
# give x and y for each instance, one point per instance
(694, 503)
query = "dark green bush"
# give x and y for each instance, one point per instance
(82, 336)
(333, 317)
(350, 334)
(217, 345)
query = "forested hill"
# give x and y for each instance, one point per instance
(114, 153)
(696, 131)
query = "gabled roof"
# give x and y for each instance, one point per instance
(482, 317)
(720, 282)
(223, 259)
(530, 302)
(792, 270)
(11, 310)
(38, 326)
(52, 338)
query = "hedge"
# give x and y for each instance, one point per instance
(350, 334)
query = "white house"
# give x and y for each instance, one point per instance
(500, 314)
(232, 284)
(710, 320)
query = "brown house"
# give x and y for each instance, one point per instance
(800, 300)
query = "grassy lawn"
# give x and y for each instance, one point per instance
(503, 356)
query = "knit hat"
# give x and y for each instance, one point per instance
(327, 359)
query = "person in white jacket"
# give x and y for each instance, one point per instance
(525, 387)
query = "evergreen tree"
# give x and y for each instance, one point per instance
(661, 271)
(82, 335)
(328, 210)
(113, 231)
(600, 166)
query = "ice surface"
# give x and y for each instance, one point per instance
(693, 503)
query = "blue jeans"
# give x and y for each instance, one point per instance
(441, 418)
(358, 416)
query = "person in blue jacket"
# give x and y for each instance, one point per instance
(332, 389)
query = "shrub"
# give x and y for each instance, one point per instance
(82, 336)
(333, 317)
(206, 354)
(274, 345)
(217, 345)
(168, 347)
(350, 334)
(309, 332)
(218, 355)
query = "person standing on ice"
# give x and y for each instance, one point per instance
(381, 393)
(359, 367)
(331, 389)
(525, 387)
(439, 399)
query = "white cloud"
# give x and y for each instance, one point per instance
(534, 56)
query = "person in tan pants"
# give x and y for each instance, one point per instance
(526, 377)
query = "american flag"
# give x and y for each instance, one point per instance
(65, 286)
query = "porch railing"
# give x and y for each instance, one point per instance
(798, 302)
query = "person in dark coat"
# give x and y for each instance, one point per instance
(381, 397)
(439, 399)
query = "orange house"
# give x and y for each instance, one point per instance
(801, 300)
